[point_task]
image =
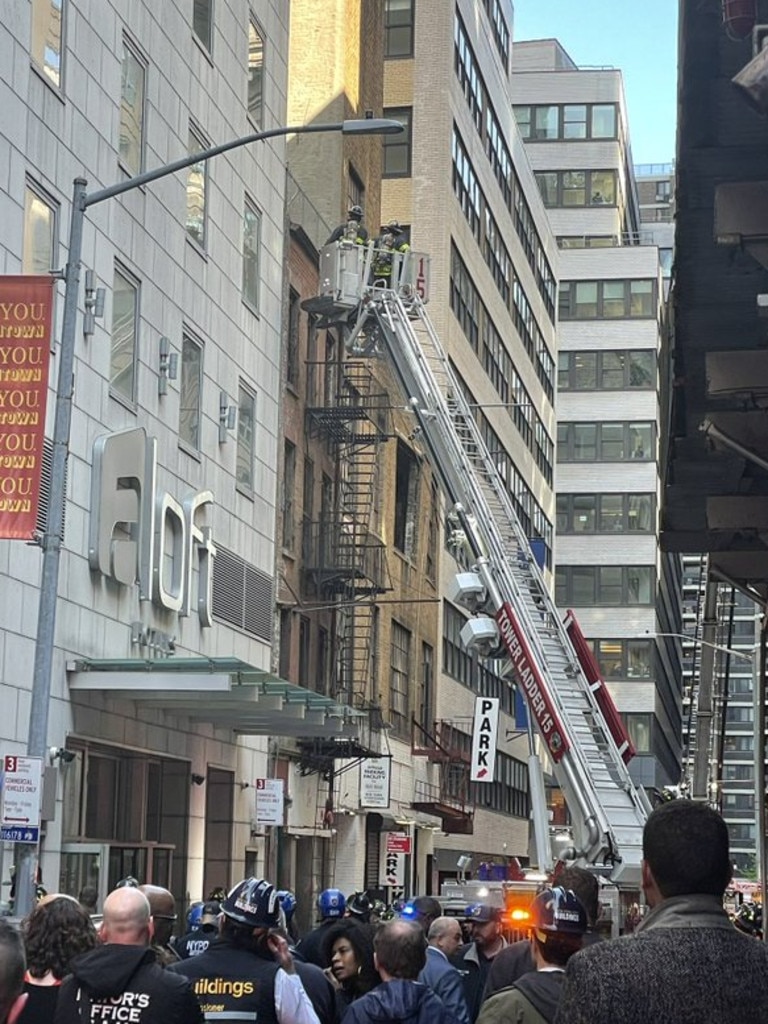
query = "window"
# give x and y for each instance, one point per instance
(40, 229)
(251, 254)
(292, 352)
(606, 370)
(132, 94)
(190, 396)
(575, 121)
(577, 188)
(586, 586)
(202, 22)
(397, 148)
(399, 675)
(406, 500)
(246, 439)
(125, 312)
(593, 300)
(289, 495)
(572, 121)
(398, 28)
(605, 442)
(624, 659)
(305, 640)
(574, 188)
(197, 176)
(255, 75)
(639, 728)
(603, 121)
(48, 38)
(545, 123)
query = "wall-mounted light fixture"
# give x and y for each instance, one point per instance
(94, 303)
(169, 366)
(197, 780)
(227, 417)
(62, 755)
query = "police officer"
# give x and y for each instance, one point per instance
(330, 907)
(248, 972)
(202, 927)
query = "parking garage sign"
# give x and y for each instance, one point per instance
(20, 803)
(484, 739)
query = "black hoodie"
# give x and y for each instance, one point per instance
(116, 984)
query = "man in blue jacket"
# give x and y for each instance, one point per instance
(399, 954)
(444, 937)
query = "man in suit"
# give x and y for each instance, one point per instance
(685, 962)
(444, 937)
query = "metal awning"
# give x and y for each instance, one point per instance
(224, 692)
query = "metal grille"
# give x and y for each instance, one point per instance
(242, 595)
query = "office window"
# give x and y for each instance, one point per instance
(575, 121)
(577, 188)
(603, 121)
(545, 123)
(190, 392)
(251, 254)
(574, 188)
(399, 675)
(586, 586)
(523, 118)
(624, 659)
(255, 75)
(397, 148)
(47, 43)
(398, 28)
(606, 370)
(202, 22)
(595, 300)
(602, 189)
(197, 177)
(406, 500)
(605, 442)
(132, 96)
(246, 439)
(125, 307)
(567, 122)
(40, 228)
(639, 728)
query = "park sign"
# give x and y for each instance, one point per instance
(26, 314)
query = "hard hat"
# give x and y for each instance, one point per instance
(331, 903)
(253, 902)
(749, 919)
(194, 914)
(558, 911)
(287, 902)
(355, 212)
(359, 905)
(129, 882)
(393, 225)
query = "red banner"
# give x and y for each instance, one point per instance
(534, 687)
(26, 314)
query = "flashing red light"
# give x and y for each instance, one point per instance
(739, 17)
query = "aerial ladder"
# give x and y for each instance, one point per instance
(513, 615)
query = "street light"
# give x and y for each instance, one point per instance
(37, 738)
(696, 642)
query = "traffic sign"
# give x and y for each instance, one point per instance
(20, 798)
(270, 802)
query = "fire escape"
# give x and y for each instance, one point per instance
(345, 561)
(447, 747)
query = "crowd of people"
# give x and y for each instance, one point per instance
(241, 958)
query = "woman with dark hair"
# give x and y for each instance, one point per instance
(348, 946)
(57, 930)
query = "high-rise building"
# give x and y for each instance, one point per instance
(612, 354)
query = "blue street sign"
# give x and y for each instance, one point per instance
(24, 834)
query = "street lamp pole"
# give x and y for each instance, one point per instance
(37, 736)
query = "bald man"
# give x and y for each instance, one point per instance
(121, 979)
(163, 907)
(444, 937)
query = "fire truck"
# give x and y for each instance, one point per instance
(512, 615)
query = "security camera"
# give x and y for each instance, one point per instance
(61, 754)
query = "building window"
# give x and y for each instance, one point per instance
(606, 370)
(577, 188)
(575, 121)
(406, 500)
(397, 148)
(596, 300)
(569, 122)
(624, 659)
(606, 513)
(639, 728)
(251, 254)
(292, 351)
(305, 649)
(255, 75)
(398, 28)
(603, 121)
(48, 38)
(190, 392)
(246, 439)
(40, 230)
(587, 586)
(197, 177)
(457, 661)
(605, 442)
(399, 676)
(202, 22)
(289, 496)
(132, 97)
(125, 315)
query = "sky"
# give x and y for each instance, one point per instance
(640, 39)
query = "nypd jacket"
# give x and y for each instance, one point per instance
(236, 984)
(116, 984)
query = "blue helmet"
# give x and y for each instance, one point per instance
(194, 914)
(287, 902)
(331, 903)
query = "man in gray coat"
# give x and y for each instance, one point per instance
(685, 963)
